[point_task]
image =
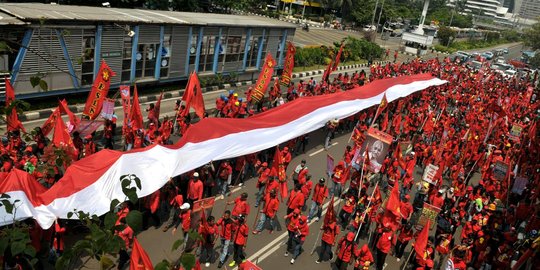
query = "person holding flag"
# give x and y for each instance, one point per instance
(320, 193)
(384, 244)
(346, 248)
(364, 258)
(330, 231)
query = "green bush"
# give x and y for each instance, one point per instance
(354, 50)
(442, 48)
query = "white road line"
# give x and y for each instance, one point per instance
(232, 191)
(264, 252)
(322, 149)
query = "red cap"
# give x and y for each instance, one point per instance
(350, 236)
(296, 211)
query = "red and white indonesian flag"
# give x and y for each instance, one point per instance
(90, 184)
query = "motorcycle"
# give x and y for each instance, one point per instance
(305, 27)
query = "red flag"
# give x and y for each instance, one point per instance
(279, 170)
(265, 77)
(377, 197)
(288, 66)
(193, 96)
(198, 101)
(157, 107)
(126, 105)
(391, 215)
(136, 118)
(50, 122)
(382, 106)
(338, 57)
(396, 123)
(99, 91)
(330, 215)
(421, 242)
(532, 132)
(384, 124)
(61, 135)
(327, 71)
(73, 119)
(12, 120)
(139, 258)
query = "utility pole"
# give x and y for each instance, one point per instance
(380, 13)
(374, 12)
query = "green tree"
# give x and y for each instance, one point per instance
(445, 35)
(532, 37)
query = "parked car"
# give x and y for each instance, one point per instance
(505, 50)
(487, 55)
(475, 65)
(397, 33)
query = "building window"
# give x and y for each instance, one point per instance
(165, 54)
(234, 48)
(87, 65)
(193, 47)
(253, 50)
(146, 60)
(126, 60)
(206, 59)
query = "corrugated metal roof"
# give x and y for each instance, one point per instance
(47, 12)
(6, 19)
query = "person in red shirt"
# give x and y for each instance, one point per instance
(330, 231)
(286, 157)
(347, 209)
(185, 219)
(320, 192)
(385, 242)
(127, 235)
(437, 200)
(271, 206)
(346, 248)
(264, 174)
(224, 177)
(195, 189)
(338, 178)
(302, 230)
(306, 189)
(405, 208)
(300, 170)
(296, 199)
(174, 214)
(227, 227)
(405, 235)
(58, 242)
(293, 218)
(239, 239)
(208, 231)
(364, 258)
(241, 207)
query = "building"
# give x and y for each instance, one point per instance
(530, 9)
(488, 11)
(66, 44)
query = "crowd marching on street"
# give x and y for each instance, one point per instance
(464, 127)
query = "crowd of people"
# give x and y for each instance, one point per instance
(464, 127)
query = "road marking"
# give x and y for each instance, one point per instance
(219, 197)
(322, 149)
(270, 248)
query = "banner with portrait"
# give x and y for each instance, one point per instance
(377, 144)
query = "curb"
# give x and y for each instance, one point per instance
(45, 113)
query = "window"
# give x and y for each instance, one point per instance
(234, 48)
(87, 65)
(206, 60)
(126, 61)
(165, 54)
(253, 51)
(145, 64)
(193, 47)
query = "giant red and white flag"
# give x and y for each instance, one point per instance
(90, 184)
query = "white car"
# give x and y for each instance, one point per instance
(510, 73)
(500, 60)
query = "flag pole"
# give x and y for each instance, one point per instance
(365, 212)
